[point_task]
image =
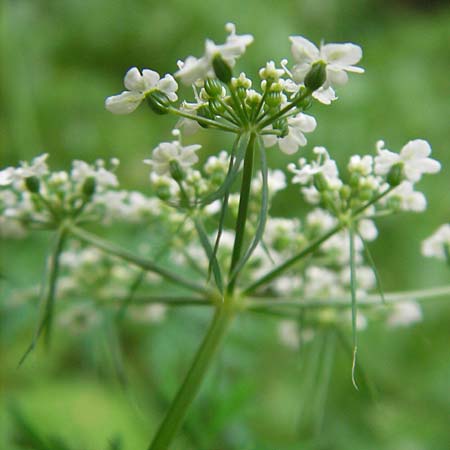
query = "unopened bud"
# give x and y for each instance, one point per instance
(216, 107)
(273, 99)
(176, 171)
(316, 76)
(88, 187)
(395, 175)
(345, 192)
(213, 87)
(158, 102)
(222, 69)
(33, 184)
(204, 111)
(320, 182)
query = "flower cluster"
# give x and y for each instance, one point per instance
(31, 195)
(233, 103)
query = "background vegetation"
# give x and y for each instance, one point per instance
(59, 60)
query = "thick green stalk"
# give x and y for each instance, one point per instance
(243, 209)
(194, 378)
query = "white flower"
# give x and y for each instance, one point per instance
(404, 314)
(438, 243)
(324, 165)
(339, 59)
(7, 176)
(410, 200)
(138, 86)
(362, 165)
(297, 125)
(103, 177)
(413, 156)
(166, 152)
(320, 219)
(367, 229)
(194, 69)
(289, 334)
(270, 71)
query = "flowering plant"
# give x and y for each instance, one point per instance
(227, 251)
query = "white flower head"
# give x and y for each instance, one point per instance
(167, 152)
(410, 200)
(362, 165)
(413, 156)
(297, 126)
(438, 244)
(194, 69)
(404, 314)
(138, 86)
(323, 164)
(339, 59)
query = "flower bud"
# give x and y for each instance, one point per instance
(88, 187)
(281, 125)
(213, 87)
(273, 99)
(204, 111)
(158, 102)
(176, 171)
(320, 182)
(222, 69)
(345, 192)
(33, 184)
(216, 107)
(316, 76)
(395, 175)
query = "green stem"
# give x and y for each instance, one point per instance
(363, 302)
(145, 264)
(243, 209)
(193, 381)
(204, 120)
(288, 263)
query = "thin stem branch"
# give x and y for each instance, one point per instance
(204, 120)
(363, 302)
(145, 264)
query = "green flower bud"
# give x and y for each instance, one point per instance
(176, 171)
(213, 87)
(316, 76)
(216, 107)
(241, 92)
(162, 191)
(395, 175)
(273, 99)
(158, 102)
(354, 179)
(365, 194)
(345, 192)
(88, 187)
(320, 182)
(205, 111)
(222, 69)
(281, 125)
(33, 184)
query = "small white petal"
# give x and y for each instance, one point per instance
(124, 103)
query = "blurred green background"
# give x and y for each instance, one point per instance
(60, 59)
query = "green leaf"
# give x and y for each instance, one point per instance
(262, 214)
(371, 262)
(354, 307)
(204, 240)
(223, 212)
(48, 293)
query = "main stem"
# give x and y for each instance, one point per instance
(191, 385)
(243, 209)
